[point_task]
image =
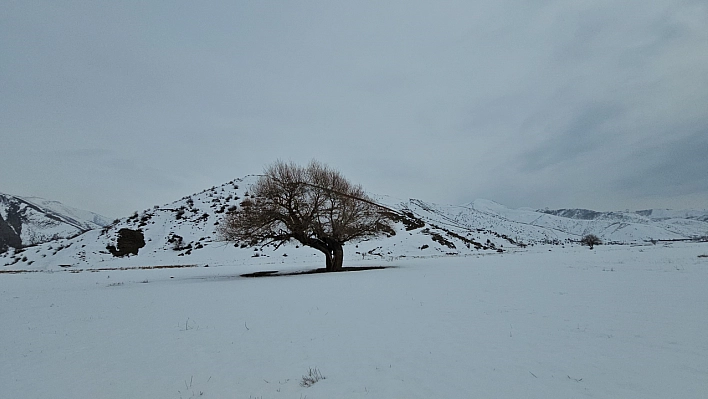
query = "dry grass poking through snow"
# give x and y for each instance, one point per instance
(313, 375)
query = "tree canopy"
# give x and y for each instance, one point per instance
(591, 240)
(314, 205)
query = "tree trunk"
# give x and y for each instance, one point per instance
(332, 250)
(322, 247)
(338, 257)
(328, 261)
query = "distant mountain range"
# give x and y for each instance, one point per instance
(28, 221)
(649, 214)
(184, 232)
(566, 225)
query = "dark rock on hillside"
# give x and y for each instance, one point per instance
(129, 242)
(11, 228)
(9, 235)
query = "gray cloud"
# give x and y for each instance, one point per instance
(677, 168)
(591, 128)
(550, 103)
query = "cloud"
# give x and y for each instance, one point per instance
(538, 104)
(677, 168)
(95, 179)
(591, 128)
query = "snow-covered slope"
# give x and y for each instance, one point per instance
(651, 224)
(32, 220)
(185, 233)
(664, 214)
(526, 226)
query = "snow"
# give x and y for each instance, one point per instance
(448, 230)
(43, 220)
(195, 219)
(449, 318)
(546, 322)
(81, 217)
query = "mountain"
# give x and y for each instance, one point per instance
(526, 226)
(664, 214)
(643, 216)
(28, 221)
(184, 232)
(646, 225)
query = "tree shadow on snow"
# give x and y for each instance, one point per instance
(275, 273)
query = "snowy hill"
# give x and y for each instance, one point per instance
(651, 224)
(184, 233)
(663, 214)
(544, 227)
(31, 220)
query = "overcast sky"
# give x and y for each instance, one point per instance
(118, 106)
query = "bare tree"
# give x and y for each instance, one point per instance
(591, 240)
(314, 205)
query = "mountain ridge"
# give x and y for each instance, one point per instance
(26, 221)
(185, 232)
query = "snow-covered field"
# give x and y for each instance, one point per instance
(549, 322)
